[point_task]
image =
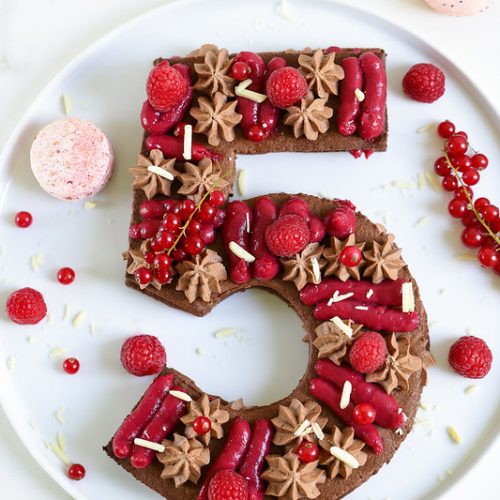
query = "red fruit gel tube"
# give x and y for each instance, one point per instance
(238, 215)
(349, 105)
(144, 230)
(268, 114)
(254, 459)
(231, 455)
(173, 147)
(372, 117)
(330, 395)
(386, 293)
(388, 412)
(375, 318)
(159, 427)
(141, 415)
(266, 265)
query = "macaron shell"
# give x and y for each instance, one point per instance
(72, 159)
(459, 7)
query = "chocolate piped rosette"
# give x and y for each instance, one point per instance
(190, 247)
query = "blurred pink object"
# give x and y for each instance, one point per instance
(459, 8)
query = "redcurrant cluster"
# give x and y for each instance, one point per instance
(460, 169)
(183, 230)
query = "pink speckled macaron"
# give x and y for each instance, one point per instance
(71, 159)
(459, 7)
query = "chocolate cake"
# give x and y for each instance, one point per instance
(342, 274)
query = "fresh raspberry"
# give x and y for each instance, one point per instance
(26, 306)
(287, 235)
(143, 355)
(470, 357)
(227, 485)
(368, 353)
(286, 86)
(165, 87)
(340, 222)
(424, 82)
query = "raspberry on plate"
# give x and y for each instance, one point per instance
(470, 357)
(26, 306)
(285, 87)
(166, 87)
(227, 484)
(368, 353)
(288, 235)
(143, 355)
(424, 82)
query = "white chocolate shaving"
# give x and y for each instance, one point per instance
(318, 431)
(242, 175)
(345, 398)
(361, 308)
(241, 90)
(408, 297)
(344, 456)
(433, 181)
(425, 128)
(67, 104)
(336, 297)
(161, 172)
(78, 319)
(316, 270)
(248, 228)
(89, 205)
(59, 453)
(302, 427)
(369, 293)
(181, 395)
(225, 332)
(10, 362)
(422, 180)
(342, 326)
(188, 142)
(360, 96)
(149, 444)
(59, 414)
(241, 252)
(454, 435)
(60, 442)
(36, 262)
(57, 351)
(470, 389)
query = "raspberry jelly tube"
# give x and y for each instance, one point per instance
(173, 147)
(349, 105)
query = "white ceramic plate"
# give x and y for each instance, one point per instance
(267, 358)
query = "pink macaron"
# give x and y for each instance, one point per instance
(72, 159)
(459, 7)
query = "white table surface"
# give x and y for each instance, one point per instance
(38, 37)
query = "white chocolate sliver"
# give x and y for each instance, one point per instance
(344, 456)
(67, 104)
(302, 427)
(345, 398)
(188, 142)
(79, 318)
(242, 175)
(454, 435)
(149, 444)
(342, 326)
(241, 252)
(57, 351)
(361, 308)
(318, 431)
(360, 96)
(408, 298)
(316, 270)
(369, 293)
(339, 298)
(89, 205)
(241, 90)
(161, 172)
(181, 395)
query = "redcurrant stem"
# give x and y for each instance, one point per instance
(196, 209)
(471, 203)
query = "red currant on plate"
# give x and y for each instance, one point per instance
(364, 413)
(76, 472)
(490, 213)
(481, 203)
(441, 167)
(460, 193)
(217, 198)
(66, 275)
(471, 176)
(461, 163)
(308, 452)
(457, 208)
(472, 237)
(479, 161)
(446, 129)
(456, 145)
(449, 183)
(23, 219)
(350, 256)
(202, 425)
(469, 219)
(71, 366)
(488, 257)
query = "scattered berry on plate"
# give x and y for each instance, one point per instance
(76, 472)
(287, 236)
(66, 275)
(71, 366)
(227, 484)
(23, 219)
(308, 452)
(424, 82)
(285, 87)
(26, 306)
(143, 355)
(166, 87)
(368, 353)
(470, 357)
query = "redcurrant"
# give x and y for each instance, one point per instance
(350, 256)
(364, 413)
(171, 222)
(441, 167)
(461, 163)
(169, 204)
(149, 256)
(495, 225)
(23, 219)
(463, 134)
(460, 193)
(71, 366)
(162, 261)
(446, 129)
(207, 234)
(308, 452)
(469, 219)
(165, 239)
(456, 145)
(206, 212)
(76, 472)
(186, 208)
(240, 71)
(217, 198)
(457, 208)
(449, 183)
(193, 245)
(471, 177)
(178, 254)
(488, 257)
(202, 425)
(143, 276)
(220, 215)
(490, 213)
(193, 228)
(479, 161)
(472, 237)
(65, 275)
(481, 203)
(163, 276)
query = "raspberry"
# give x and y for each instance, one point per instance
(227, 485)
(470, 357)
(286, 86)
(368, 353)
(287, 235)
(26, 306)
(165, 87)
(424, 82)
(143, 355)
(340, 222)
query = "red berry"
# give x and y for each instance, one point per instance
(143, 276)
(481, 203)
(424, 82)
(285, 86)
(495, 225)
(479, 161)
(240, 71)
(194, 227)
(340, 222)
(165, 240)
(471, 177)
(149, 256)
(227, 485)
(441, 166)
(255, 133)
(23, 219)
(472, 237)
(287, 236)
(162, 261)
(186, 208)
(461, 162)
(178, 254)
(165, 87)
(462, 134)
(71, 366)
(470, 220)
(350, 256)
(449, 183)
(457, 208)
(217, 198)
(206, 212)
(220, 215)
(207, 234)
(364, 413)
(143, 355)
(76, 472)
(179, 129)
(456, 145)
(316, 229)
(308, 452)
(490, 213)
(162, 276)
(368, 353)
(193, 245)
(26, 306)
(65, 275)
(169, 204)
(446, 129)
(460, 193)
(202, 425)
(171, 222)
(470, 357)
(487, 256)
